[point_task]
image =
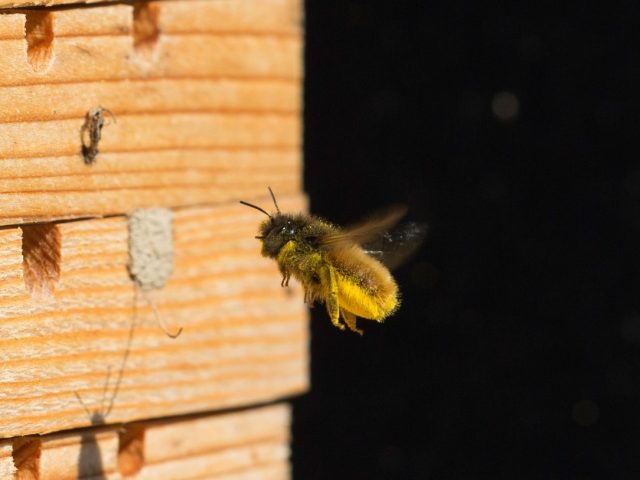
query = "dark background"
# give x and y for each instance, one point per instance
(516, 352)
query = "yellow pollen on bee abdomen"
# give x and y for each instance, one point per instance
(366, 303)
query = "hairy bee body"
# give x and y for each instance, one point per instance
(350, 282)
(331, 265)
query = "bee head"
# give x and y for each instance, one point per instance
(276, 231)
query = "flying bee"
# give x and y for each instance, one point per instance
(347, 269)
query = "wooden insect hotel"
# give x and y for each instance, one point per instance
(142, 335)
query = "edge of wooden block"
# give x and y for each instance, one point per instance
(85, 346)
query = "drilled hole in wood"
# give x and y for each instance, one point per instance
(38, 28)
(26, 458)
(131, 450)
(41, 258)
(146, 30)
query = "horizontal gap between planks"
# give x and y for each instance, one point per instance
(253, 409)
(247, 393)
(288, 369)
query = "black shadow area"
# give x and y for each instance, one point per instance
(511, 129)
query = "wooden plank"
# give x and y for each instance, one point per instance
(268, 17)
(170, 131)
(240, 440)
(49, 187)
(46, 3)
(98, 43)
(264, 16)
(244, 339)
(86, 59)
(244, 444)
(186, 131)
(48, 103)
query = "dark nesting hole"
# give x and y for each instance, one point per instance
(38, 29)
(146, 30)
(131, 450)
(41, 258)
(26, 453)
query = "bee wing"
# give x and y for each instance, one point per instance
(395, 246)
(368, 230)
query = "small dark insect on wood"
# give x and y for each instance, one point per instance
(91, 133)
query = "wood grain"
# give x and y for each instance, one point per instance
(48, 103)
(93, 335)
(7, 467)
(222, 15)
(243, 444)
(177, 56)
(45, 3)
(211, 114)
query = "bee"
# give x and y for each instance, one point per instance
(347, 269)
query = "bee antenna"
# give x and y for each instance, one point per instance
(256, 207)
(274, 200)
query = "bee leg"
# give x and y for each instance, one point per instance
(285, 279)
(308, 297)
(350, 320)
(328, 280)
